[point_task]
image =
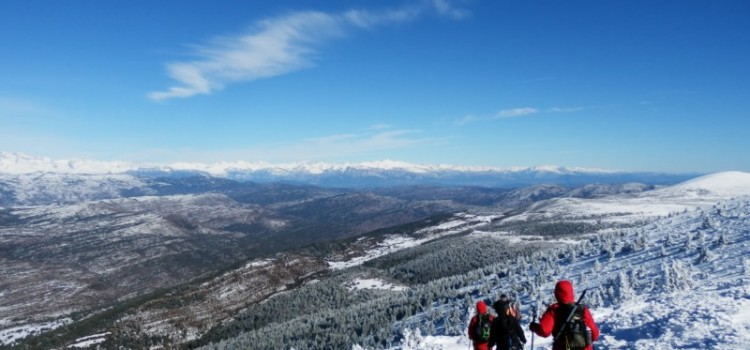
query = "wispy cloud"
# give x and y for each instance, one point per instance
(502, 114)
(515, 112)
(331, 148)
(347, 145)
(22, 107)
(446, 8)
(380, 126)
(281, 45)
(564, 109)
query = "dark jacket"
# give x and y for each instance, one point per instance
(506, 333)
(553, 318)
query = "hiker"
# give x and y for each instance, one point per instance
(575, 335)
(479, 327)
(506, 304)
(506, 332)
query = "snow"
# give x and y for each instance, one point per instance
(394, 243)
(391, 244)
(708, 310)
(373, 283)
(449, 225)
(9, 336)
(725, 184)
(695, 194)
(89, 340)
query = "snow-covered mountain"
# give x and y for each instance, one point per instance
(660, 249)
(366, 174)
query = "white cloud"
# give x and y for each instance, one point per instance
(345, 145)
(279, 46)
(515, 112)
(273, 47)
(503, 114)
(332, 148)
(564, 109)
(468, 119)
(380, 126)
(13, 107)
(445, 8)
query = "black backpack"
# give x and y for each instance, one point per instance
(506, 336)
(482, 328)
(574, 334)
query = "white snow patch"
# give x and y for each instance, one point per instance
(89, 340)
(392, 244)
(373, 283)
(725, 184)
(11, 335)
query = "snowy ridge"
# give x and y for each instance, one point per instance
(701, 192)
(723, 185)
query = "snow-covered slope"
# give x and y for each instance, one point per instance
(44, 188)
(720, 185)
(681, 282)
(701, 192)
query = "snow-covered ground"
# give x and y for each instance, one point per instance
(85, 342)
(394, 243)
(680, 282)
(373, 283)
(10, 335)
(701, 192)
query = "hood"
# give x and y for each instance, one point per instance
(481, 307)
(564, 292)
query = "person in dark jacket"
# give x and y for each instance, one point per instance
(479, 344)
(506, 332)
(554, 317)
(506, 305)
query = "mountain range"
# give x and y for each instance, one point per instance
(363, 175)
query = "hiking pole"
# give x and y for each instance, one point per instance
(533, 319)
(567, 319)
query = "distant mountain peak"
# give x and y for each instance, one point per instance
(366, 174)
(21, 163)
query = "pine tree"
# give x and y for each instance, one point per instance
(624, 288)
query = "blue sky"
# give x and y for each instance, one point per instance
(631, 85)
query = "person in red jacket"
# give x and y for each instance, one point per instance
(555, 315)
(477, 326)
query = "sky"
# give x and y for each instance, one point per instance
(627, 85)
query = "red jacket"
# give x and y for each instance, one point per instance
(478, 345)
(547, 326)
